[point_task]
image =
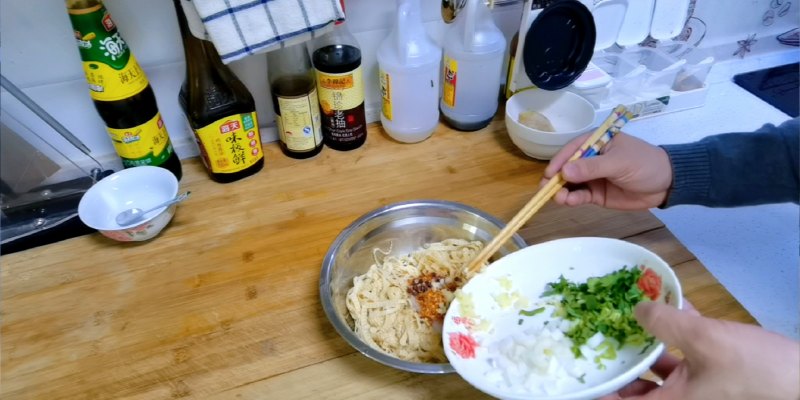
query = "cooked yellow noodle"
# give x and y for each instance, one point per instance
(384, 313)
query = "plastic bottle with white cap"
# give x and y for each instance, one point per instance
(474, 50)
(409, 77)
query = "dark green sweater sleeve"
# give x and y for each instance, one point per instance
(738, 169)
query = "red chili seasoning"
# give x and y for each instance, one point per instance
(463, 345)
(431, 304)
(463, 321)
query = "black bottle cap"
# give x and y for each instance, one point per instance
(559, 44)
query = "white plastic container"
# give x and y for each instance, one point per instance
(698, 65)
(594, 85)
(409, 77)
(669, 17)
(630, 74)
(661, 70)
(472, 66)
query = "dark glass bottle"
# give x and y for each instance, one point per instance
(220, 110)
(295, 101)
(337, 61)
(120, 90)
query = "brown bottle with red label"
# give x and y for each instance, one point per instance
(340, 87)
(220, 110)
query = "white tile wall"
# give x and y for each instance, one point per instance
(38, 47)
(729, 21)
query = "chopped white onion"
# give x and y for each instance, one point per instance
(536, 361)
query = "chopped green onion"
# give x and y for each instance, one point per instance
(531, 312)
(602, 304)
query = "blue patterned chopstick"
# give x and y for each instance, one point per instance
(595, 148)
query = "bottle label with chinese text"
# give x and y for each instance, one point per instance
(111, 70)
(230, 144)
(341, 99)
(450, 80)
(386, 94)
(146, 144)
(299, 121)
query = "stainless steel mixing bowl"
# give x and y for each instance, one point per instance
(401, 228)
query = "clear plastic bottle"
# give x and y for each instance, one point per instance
(409, 77)
(474, 49)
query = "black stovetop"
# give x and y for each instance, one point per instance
(777, 86)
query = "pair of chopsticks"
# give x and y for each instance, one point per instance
(591, 147)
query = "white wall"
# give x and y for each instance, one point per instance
(731, 20)
(39, 55)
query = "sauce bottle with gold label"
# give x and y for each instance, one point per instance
(408, 63)
(295, 101)
(340, 86)
(472, 66)
(120, 90)
(220, 110)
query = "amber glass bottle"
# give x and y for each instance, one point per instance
(220, 110)
(120, 90)
(294, 98)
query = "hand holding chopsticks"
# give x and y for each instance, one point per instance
(591, 147)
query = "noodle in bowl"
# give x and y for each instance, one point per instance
(398, 305)
(369, 273)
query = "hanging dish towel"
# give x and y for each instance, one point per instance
(239, 28)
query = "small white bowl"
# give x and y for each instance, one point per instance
(525, 274)
(570, 114)
(142, 187)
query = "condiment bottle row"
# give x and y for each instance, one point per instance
(318, 98)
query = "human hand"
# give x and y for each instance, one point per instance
(723, 360)
(629, 174)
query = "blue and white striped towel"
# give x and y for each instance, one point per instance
(239, 28)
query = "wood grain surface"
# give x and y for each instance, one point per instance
(224, 303)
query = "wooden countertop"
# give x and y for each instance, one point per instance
(224, 304)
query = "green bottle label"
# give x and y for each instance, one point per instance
(146, 144)
(111, 69)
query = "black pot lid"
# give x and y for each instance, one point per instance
(559, 44)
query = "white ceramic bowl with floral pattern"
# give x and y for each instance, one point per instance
(508, 352)
(141, 187)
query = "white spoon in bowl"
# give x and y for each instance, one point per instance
(132, 215)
